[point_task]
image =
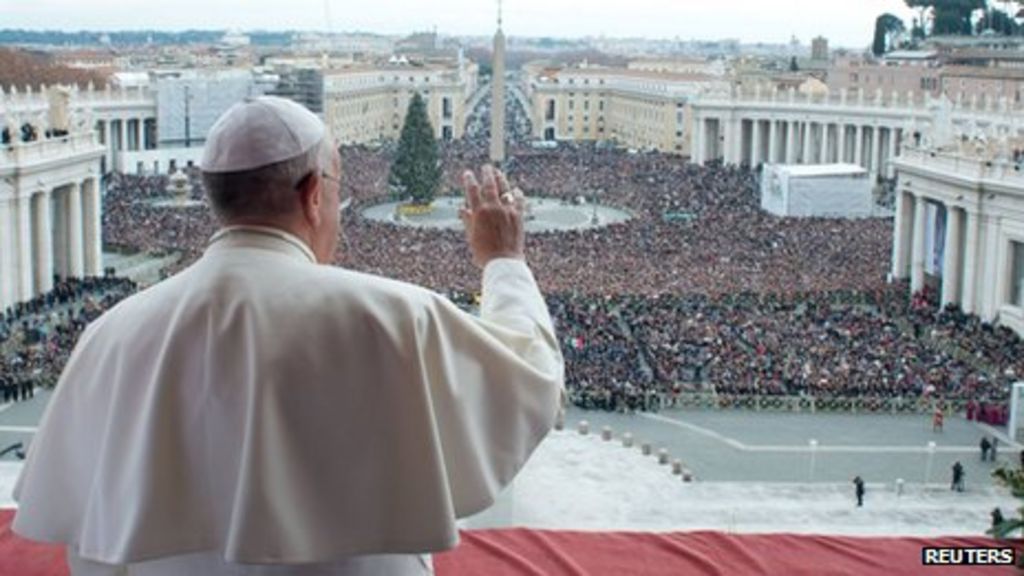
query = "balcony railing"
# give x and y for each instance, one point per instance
(25, 153)
(981, 169)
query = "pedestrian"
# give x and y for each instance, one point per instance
(958, 477)
(997, 518)
(265, 412)
(937, 419)
(985, 447)
(858, 483)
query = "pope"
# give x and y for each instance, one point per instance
(265, 412)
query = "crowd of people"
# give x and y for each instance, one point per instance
(700, 290)
(37, 336)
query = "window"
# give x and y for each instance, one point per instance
(1017, 277)
(572, 104)
(549, 114)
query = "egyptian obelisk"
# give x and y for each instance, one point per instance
(498, 96)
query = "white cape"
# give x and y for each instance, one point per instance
(280, 412)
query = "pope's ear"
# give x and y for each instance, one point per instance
(309, 197)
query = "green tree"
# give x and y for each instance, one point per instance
(999, 22)
(886, 26)
(1014, 480)
(949, 17)
(793, 66)
(416, 172)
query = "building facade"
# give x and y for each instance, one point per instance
(50, 207)
(958, 169)
(960, 226)
(637, 109)
(365, 105)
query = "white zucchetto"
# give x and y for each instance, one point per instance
(259, 132)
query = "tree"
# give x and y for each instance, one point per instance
(886, 26)
(999, 22)
(1014, 480)
(416, 170)
(793, 66)
(949, 17)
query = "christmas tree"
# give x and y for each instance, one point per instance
(416, 172)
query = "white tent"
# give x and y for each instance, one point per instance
(824, 190)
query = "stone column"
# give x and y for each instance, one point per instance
(792, 142)
(26, 266)
(728, 131)
(808, 132)
(951, 275)
(737, 143)
(918, 257)
(697, 154)
(123, 124)
(890, 170)
(825, 145)
(92, 228)
(755, 135)
(76, 266)
(111, 146)
(44, 242)
(773, 141)
(59, 210)
(841, 141)
(858, 145)
(7, 257)
(876, 151)
(970, 271)
(901, 238)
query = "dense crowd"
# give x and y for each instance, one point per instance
(699, 291)
(36, 337)
(843, 344)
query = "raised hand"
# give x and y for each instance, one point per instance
(493, 216)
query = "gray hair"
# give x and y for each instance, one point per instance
(267, 191)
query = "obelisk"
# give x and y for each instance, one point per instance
(498, 96)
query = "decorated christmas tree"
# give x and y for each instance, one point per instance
(416, 173)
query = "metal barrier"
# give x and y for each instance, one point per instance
(811, 404)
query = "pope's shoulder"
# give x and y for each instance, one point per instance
(295, 286)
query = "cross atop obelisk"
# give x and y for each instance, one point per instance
(498, 95)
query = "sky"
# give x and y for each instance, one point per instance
(848, 23)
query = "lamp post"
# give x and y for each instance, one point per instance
(928, 462)
(188, 118)
(814, 453)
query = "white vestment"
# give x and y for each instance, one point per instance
(260, 409)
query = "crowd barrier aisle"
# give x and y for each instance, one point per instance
(991, 413)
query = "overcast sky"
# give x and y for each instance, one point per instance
(844, 22)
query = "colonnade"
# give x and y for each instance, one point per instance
(126, 134)
(760, 139)
(49, 232)
(960, 248)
